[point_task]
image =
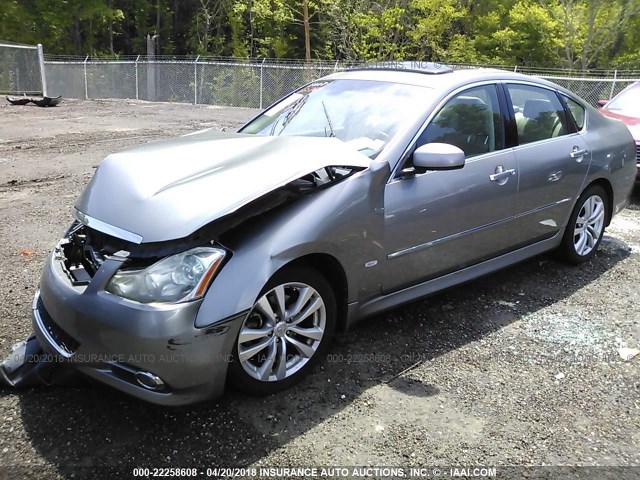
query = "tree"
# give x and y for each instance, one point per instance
(437, 21)
(207, 28)
(78, 26)
(562, 33)
(530, 36)
(590, 28)
(17, 23)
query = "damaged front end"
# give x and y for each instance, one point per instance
(104, 281)
(89, 318)
(28, 365)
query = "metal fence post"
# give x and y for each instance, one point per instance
(137, 83)
(43, 74)
(86, 84)
(261, 80)
(335, 67)
(195, 81)
(613, 84)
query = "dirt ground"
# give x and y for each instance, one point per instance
(519, 368)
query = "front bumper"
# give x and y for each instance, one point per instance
(111, 339)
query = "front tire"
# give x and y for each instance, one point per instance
(585, 227)
(286, 332)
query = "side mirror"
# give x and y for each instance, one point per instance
(438, 156)
(602, 103)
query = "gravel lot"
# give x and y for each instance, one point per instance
(519, 368)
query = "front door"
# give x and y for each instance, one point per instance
(441, 221)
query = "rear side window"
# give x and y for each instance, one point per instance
(539, 113)
(577, 111)
(471, 121)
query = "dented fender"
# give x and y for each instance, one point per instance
(265, 244)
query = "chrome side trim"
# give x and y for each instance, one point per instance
(422, 246)
(106, 228)
(417, 248)
(544, 207)
(391, 300)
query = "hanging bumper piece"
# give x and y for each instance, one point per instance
(28, 365)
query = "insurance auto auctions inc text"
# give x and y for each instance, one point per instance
(363, 472)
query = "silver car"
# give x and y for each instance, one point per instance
(235, 257)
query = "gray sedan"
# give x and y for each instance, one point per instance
(235, 257)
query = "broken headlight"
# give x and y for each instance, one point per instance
(174, 279)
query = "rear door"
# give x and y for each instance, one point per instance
(441, 221)
(552, 157)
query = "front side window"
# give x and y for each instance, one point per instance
(539, 113)
(470, 120)
(362, 113)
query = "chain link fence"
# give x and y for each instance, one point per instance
(252, 83)
(592, 89)
(20, 69)
(208, 81)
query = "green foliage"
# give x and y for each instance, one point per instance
(436, 23)
(575, 34)
(375, 32)
(529, 37)
(17, 22)
(234, 86)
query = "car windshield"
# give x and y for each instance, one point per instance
(364, 114)
(627, 103)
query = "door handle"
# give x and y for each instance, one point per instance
(578, 153)
(501, 175)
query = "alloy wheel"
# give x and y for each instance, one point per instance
(589, 225)
(282, 332)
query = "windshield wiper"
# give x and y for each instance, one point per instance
(326, 114)
(288, 113)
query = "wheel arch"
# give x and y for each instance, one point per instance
(331, 268)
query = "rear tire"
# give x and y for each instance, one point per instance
(586, 226)
(286, 333)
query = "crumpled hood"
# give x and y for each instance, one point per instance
(167, 190)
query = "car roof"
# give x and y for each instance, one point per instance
(442, 81)
(624, 116)
(633, 86)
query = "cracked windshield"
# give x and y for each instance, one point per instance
(363, 114)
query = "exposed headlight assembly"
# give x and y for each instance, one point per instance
(174, 279)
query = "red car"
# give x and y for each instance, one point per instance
(626, 107)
